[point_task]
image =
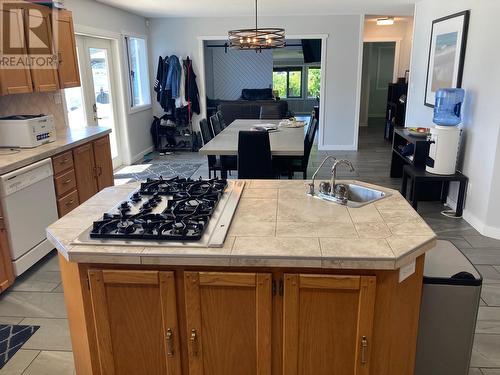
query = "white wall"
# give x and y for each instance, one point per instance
(98, 19)
(339, 131)
(481, 80)
(402, 30)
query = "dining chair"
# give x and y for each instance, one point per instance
(221, 120)
(216, 126)
(254, 155)
(289, 164)
(214, 165)
(270, 112)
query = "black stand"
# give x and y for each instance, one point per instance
(420, 177)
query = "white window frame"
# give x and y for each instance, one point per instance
(131, 108)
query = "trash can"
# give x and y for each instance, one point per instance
(450, 302)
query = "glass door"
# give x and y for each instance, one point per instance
(97, 94)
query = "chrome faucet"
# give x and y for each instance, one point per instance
(334, 171)
(312, 186)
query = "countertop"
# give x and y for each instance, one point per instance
(275, 225)
(65, 140)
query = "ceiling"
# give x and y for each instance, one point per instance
(224, 8)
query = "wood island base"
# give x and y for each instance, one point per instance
(171, 320)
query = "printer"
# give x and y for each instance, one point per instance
(26, 131)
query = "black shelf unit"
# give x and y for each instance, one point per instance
(396, 110)
(401, 137)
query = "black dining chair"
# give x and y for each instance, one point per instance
(270, 112)
(216, 126)
(254, 155)
(214, 165)
(221, 120)
(288, 165)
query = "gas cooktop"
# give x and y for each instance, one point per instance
(176, 209)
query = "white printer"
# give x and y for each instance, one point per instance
(26, 131)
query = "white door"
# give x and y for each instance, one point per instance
(95, 102)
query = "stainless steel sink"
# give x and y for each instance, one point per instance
(358, 196)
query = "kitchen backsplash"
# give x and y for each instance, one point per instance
(35, 103)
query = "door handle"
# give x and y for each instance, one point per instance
(194, 342)
(170, 343)
(364, 347)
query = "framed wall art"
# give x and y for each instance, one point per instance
(446, 54)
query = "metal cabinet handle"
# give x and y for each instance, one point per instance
(67, 181)
(364, 347)
(70, 202)
(170, 343)
(194, 342)
(64, 161)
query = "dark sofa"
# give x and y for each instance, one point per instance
(248, 106)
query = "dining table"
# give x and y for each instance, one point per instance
(285, 141)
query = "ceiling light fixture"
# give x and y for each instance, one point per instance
(385, 21)
(257, 39)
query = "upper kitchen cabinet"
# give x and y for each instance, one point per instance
(228, 322)
(327, 324)
(44, 78)
(14, 81)
(135, 316)
(69, 75)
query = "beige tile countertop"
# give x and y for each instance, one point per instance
(65, 140)
(275, 225)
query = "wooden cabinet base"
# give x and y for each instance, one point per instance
(204, 320)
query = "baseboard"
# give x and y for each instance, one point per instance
(482, 228)
(141, 154)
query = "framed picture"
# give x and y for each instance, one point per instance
(446, 54)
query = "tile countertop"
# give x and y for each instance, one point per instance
(65, 140)
(275, 225)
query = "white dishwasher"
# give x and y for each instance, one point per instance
(29, 206)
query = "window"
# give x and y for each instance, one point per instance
(138, 72)
(313, 82)
(288, 82)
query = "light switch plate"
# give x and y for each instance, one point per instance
(406, 271)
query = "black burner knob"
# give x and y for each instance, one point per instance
(124, 206)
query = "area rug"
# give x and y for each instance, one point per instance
(12, 338)
(165, 169)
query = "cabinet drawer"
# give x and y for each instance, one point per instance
(67, 203)
(65, 182)
(62, 162)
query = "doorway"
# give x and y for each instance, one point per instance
(378, 71)
(94, 103)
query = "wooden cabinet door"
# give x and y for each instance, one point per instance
(44, 79)
(85, 171)
(327, 324)
(103, 162)
(18, 80)
(6, 271)
(69, 75)
(228, 317)
(135, 316)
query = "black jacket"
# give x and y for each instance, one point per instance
(191, 93)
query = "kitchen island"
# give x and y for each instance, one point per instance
(300, 286)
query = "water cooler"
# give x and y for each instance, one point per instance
(445, 135)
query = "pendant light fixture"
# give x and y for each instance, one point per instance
(258, 38)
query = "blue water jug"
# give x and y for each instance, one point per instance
(447, 111)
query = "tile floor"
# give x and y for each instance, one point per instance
(37, 298)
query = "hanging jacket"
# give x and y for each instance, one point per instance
(159, 78)
(164, 93)
(174, 76)
(191, 92)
